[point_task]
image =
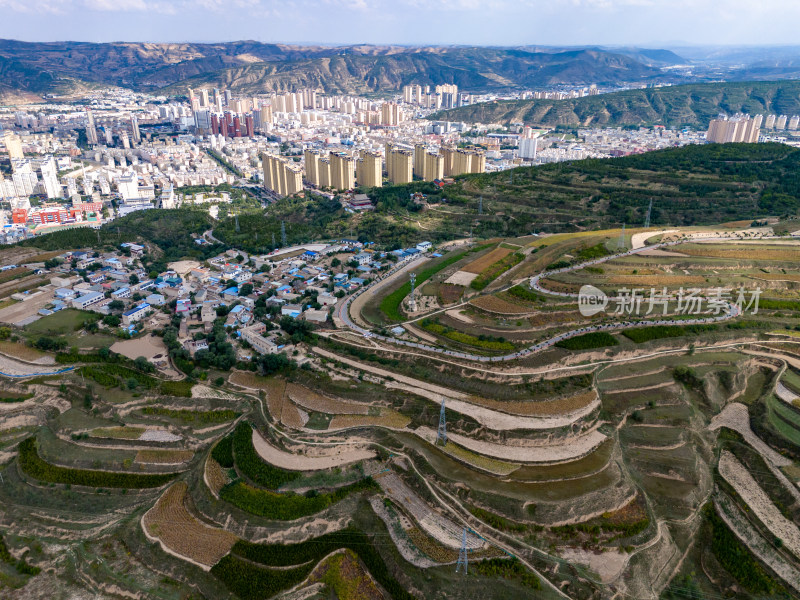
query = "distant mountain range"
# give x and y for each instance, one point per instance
(252, 67)
(692, 104)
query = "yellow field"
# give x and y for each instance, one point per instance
(215, 476)
(656, 280)
(492, 465)
(163, 456)
(499, 305)
(121, 433)
(777, 276)
(311, 400)
(388, 418)
(544, 408)
(487, 260)
(744, 252)
(180, 531)
(20, 351)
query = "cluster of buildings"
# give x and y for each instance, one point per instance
(738, 128)
(250, 293)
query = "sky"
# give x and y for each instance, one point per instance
(441, 22)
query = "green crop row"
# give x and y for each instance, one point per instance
(250, 464)
(587, 341)
(287, 506)
(282, 555)
(32, 464)
(495, 345)
(201, 416)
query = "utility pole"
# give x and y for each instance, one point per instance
(412, 302)
(441, 436)
(462, 554)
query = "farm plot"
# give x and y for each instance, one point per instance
(496, 304)
(314, 401)
(163, 457)
(551, 453)
(298, 462)
(750, 251)
(388, 418)
(576, 405)
(759, 502)
(498, 467)
(215, 477)
(179, 532)
(487, 260)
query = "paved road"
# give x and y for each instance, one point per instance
(730, 311)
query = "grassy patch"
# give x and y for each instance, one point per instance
(483, 342)
(203, 417)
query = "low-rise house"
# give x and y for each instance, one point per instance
(137, 313)
(123, 292)
(253, 335)
(291, 310)
(155, 300)
(85, 301)
(194, 345)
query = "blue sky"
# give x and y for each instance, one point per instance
(471, 22)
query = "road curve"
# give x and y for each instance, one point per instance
(731, 311)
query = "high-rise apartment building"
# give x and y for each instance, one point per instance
(412, 94)
(281, 177)
(204, 98)
(312, 158)
(391, 114)
(49, 171)
(780, 122)
(91, 130)
(342, 171)
(458, 161)
(794, 122)
(135, 135)
(399, 165)
(419, 160)
(769, 123)
(13, 146)
(739, 128)
(434, 167)
(368, 169)
(528, 147)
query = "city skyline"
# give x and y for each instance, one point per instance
(407, 22)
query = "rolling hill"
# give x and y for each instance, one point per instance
(674, 106)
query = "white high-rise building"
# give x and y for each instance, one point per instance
(128, 186)
(49, 171)
(91, 129)
(528, 148)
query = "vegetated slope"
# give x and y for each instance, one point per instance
(674, 106)
(248, 66)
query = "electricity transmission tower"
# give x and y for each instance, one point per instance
(647, 217)
(621, 243)
(441, 436)
(274, 245)
(412, 302)
(480, 206)
(236, 218)
(462, 554)
(283, 232)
